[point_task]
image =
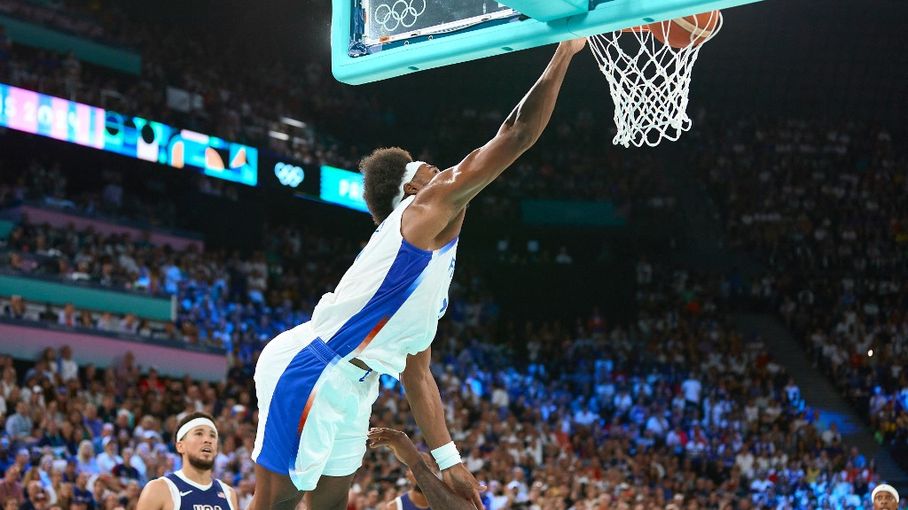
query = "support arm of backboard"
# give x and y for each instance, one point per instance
(548, 10)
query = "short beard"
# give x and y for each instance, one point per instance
(196, 462)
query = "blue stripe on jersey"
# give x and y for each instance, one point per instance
(399, 284)
(444, 249)
(281, 443)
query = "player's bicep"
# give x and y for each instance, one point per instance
(482, 166)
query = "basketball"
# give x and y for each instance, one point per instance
(682, 32)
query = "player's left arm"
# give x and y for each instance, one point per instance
(425, 402)
(425, 399)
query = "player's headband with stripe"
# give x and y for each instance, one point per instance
(885, 487)
(409, 173)
(196, 422)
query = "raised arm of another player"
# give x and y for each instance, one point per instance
(440, 496)
(458, 185)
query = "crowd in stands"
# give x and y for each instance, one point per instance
(85, 19)
(676, 410)
(46, 182)
(223, 300)
(567, 164)
(238, 106)
(824, 208)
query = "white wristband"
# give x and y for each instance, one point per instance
(446, 456)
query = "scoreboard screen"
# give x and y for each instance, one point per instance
(134, 137)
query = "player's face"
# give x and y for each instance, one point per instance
(884, 501)
(200, 447)
(425, 174)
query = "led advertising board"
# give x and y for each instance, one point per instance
(135, 137)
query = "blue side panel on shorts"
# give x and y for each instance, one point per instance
(291, 393)
(402, 279)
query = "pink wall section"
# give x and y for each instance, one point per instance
(26, 343)
(61, 219)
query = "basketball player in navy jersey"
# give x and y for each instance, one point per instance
(413, 499)
(316, 382)
(192, 487)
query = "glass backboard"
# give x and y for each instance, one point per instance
(374, 40)
(390, 21)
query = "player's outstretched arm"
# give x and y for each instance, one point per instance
(519, 132)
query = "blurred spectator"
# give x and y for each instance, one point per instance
(10, 487)
(19, 426)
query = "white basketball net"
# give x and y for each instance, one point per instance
(649, 84)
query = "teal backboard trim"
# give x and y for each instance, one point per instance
(549, 10)
(491, 39)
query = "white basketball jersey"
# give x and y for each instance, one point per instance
(387, 305)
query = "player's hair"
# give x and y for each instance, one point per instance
(188, 418)
(382, 171)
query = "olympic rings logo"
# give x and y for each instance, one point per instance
(289, 175)
(401, 13)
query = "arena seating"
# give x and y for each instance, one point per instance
(824, 209)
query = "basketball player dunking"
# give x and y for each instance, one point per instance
(193, 485)
(316, 382)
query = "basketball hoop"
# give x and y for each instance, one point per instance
(649, 77)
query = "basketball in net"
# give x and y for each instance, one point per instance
(648, 69)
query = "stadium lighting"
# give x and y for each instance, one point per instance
(293, 122)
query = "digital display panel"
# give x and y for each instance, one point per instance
(325, 183)
(342, 187)
(135, 137)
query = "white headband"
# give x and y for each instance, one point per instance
(885, 488)
(409, 173)
(191, 424)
